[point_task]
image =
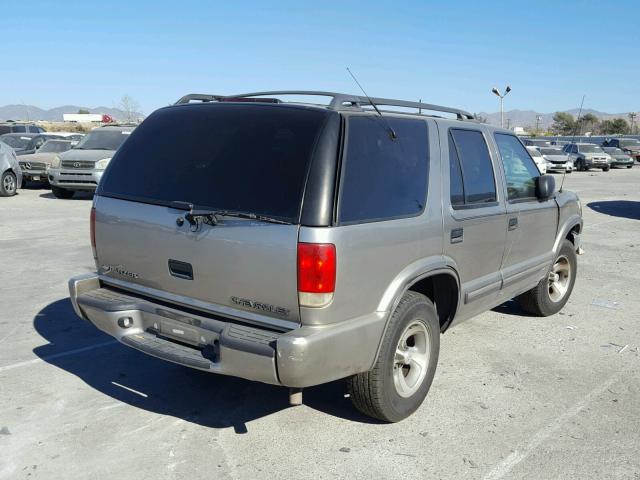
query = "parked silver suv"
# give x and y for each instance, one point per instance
(296, 244)
(81, 168)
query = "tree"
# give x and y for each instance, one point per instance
(130, 107)
(563, 123)
(83, 111)
(614, 126)
(589, 121)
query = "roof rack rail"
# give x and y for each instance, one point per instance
(339, 101)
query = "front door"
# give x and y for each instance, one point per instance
(531, 223)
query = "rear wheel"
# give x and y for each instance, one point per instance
(61, 192)
(553, 291)
(406, 364)
(8, 184)
(629, 166)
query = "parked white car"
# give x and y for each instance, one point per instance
(541, 162)
(557, 160)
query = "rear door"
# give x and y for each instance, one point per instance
(474, 216)
(248, 158)
(531, 223)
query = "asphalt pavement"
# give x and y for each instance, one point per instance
(515, 397)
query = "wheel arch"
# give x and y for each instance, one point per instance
(441, 285)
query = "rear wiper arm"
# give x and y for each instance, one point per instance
(196, 215)
(252, 216)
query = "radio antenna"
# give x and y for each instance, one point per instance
(392, 132)
(573, 139)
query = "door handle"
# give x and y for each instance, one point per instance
(513, 223)
(457, 235)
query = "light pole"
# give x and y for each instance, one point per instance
(506, 91)
(538, 120)
(632, 117)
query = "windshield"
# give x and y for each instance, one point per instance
(243, 158)
(551, 151)
(54, 146)
(631, 142)
(16, 142)
(534, 152)
(589, 149)
(103, 140)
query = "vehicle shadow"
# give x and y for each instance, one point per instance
(512, 308)
(76, 196)
(145, 382)
(617, 208)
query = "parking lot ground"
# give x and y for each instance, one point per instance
(514, 396)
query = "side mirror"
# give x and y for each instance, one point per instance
(545, 186)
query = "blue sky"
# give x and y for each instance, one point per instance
(452, 53)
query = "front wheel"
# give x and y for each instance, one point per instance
(61, 192)
(406, 364)
(629, 166)
(8, 184)
(606, 169)
(553, 291)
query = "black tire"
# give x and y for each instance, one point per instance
(8, 184)
(539, 300)
(61, 192)
(374, 393)
(629, 166)
(606, 169)
(580, 165)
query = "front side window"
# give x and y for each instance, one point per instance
(384, 178)
(519, 169)
(474, 171)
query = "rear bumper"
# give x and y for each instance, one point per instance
(301, 357)
(75, 179)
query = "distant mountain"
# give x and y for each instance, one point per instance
(30, 112)
(527, 118)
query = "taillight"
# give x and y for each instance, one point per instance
(316, 274)
(92, 230)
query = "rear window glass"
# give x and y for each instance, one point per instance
(384, 178)
(244, 158)
(476, 166)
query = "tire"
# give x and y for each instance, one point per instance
(549, 297)
(629, 166)
(606, 169)
(8, 184)
(580, 165)
(393, 390)
(61, 192)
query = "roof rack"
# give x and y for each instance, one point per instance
(339, 101)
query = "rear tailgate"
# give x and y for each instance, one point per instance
(249, 159)
(240, 264)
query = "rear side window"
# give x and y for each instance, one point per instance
(249, 158)
(382, 178)
(471, 172)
